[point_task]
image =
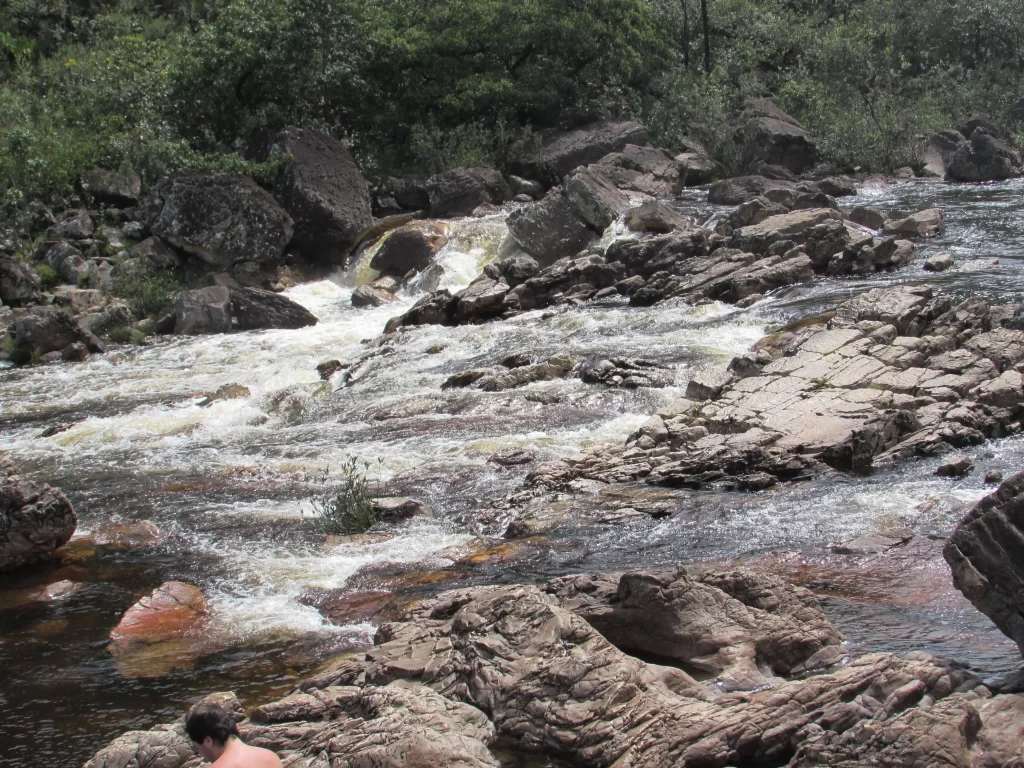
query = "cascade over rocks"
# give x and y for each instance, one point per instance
(986, 555)
(895, 373)
(562, 152)
(322, 190)
(34, 520)
(225, 220)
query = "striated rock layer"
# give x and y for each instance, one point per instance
(893, 373)
(986, 554)
(513, 665)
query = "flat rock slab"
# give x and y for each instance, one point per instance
(895, 372)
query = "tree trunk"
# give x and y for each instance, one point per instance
(707, 35)
(686, 34)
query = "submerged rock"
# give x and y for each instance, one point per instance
(34, 520)
(163, 631)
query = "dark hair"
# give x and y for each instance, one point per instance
(210, 720)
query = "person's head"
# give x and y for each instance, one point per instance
(210, 726)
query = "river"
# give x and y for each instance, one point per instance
(228, 485)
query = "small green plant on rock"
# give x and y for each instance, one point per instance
(48, 277)
(146, 292)
(346, 508)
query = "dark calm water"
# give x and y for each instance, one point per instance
(228, 485)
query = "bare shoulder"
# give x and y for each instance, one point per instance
(245, 756)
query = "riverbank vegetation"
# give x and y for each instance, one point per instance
(419, 85)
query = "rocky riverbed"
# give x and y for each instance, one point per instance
(577, 460)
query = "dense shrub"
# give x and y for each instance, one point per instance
(147, 292)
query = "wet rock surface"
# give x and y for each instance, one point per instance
(34, 520)
(895, 373)
(986, 555)
(516, 665)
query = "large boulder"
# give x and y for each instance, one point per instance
(569, 218)
(51, 329)
(986, 555)
(219, 309)
(645, 170)
(779, 139)
(67, 261)
(19, 284)
(563, 152)
(119, 189)
(223, 219)
(253, 309)
(34, 520)
(395, 195)
(984, 158)
(696, 169)
(412, 247)
(202, 311)
(459, 191)
(323, 191)
(939, 152)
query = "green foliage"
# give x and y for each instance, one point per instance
(147, 292)
(122, 334)
(423, 85)
(48, 277)
(346, 508)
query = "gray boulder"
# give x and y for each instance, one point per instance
(76, 225)
(371, 296)
(50, 329)
(19, 284)
(323, 191)
(202, 311)
(111, 188)
(34, 520)
(939, 152)
(156, 252)
(562, 152)
(395, 195)
(220, 309)
(696, 169)
(986, 555)
(779, 138)
(984, 158)
(223, 219)
(253, 309)
(67, 261)
(655, 216)
(412, 247)
(742, 188)
(460, 191)
(569, 218)
(645, 170)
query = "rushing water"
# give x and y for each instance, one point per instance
(228, 484)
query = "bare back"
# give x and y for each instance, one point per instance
(238, 754)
